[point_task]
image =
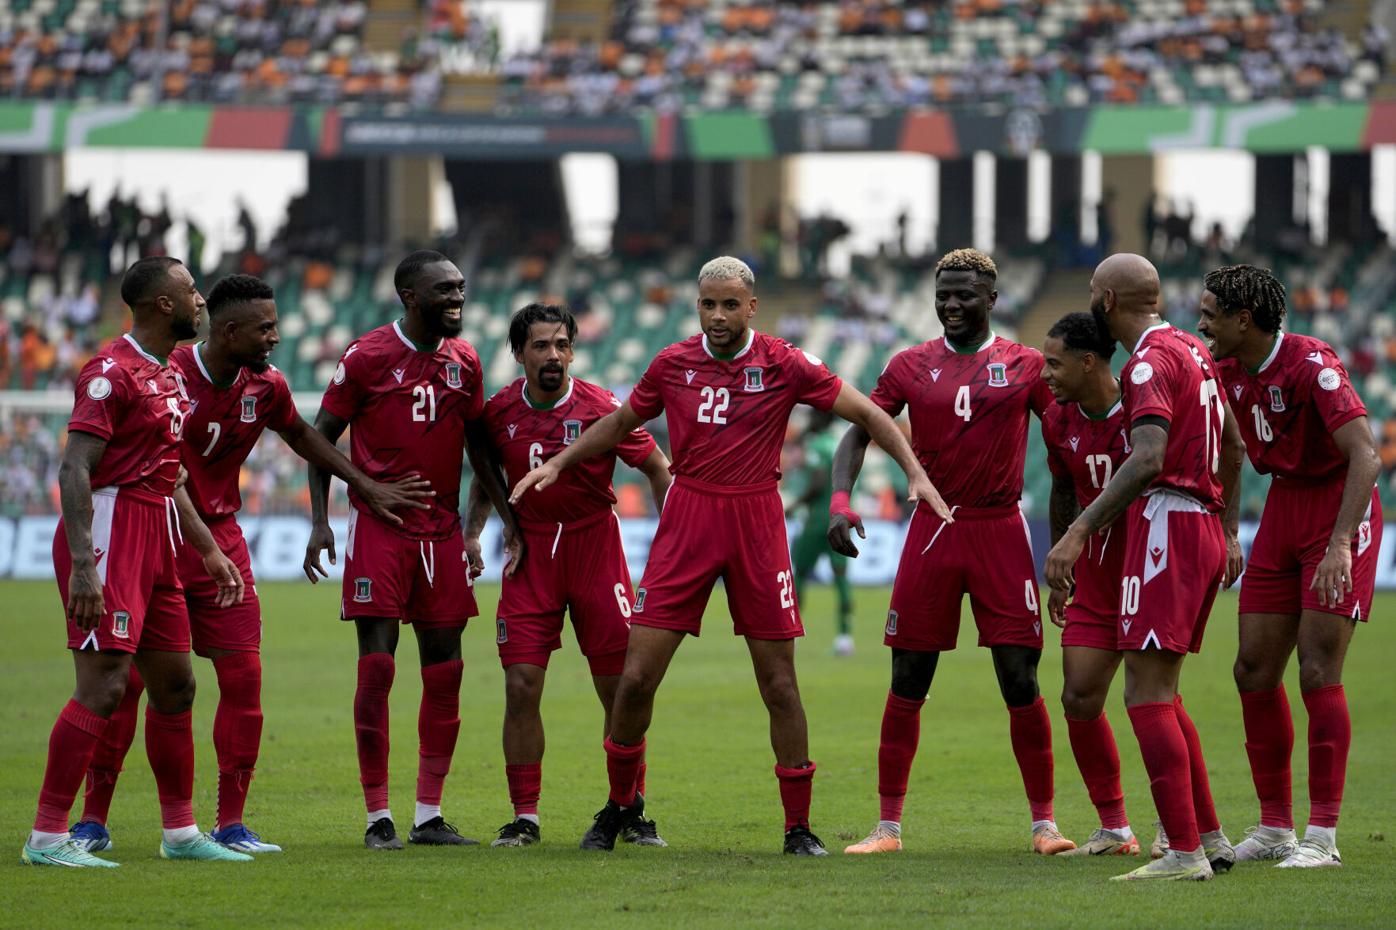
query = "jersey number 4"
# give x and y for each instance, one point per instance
(713, 409)
(962, 403)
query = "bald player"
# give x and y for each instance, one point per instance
(1179, 484)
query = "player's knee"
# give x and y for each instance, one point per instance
(912, 673)
(1019, 691)
(102, 696)
(1082, 703)
(522, 692)
(781, 693)
(175, 695)
(1317, 672)
(1252, 675)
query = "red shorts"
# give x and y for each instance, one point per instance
(237, 628)
(577, 569)
(987, 554)
(133, 540)
(392, 577)
(1093, 616)
(1291, 541)
(708, 532)
(1175, 559)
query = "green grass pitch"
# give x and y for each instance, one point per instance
(711, 788)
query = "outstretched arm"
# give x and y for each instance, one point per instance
(853, 406)
(219, 567)
(1333, 578)
(313, 446)
(1149, 438)
(602, 436)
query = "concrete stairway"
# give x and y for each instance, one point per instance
(1065, 291)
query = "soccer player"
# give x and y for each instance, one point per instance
(813, 542)
(114, 558)
(1085, 436)
(414, 392)
(727, 394)
(1313, 563)
(1180, 484)
(234, 394)
(572, 557)
(970, 395)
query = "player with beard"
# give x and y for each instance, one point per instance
(114, 555)
(1313, 563)
(1180, 483)
(414, 392)
(234, 394)
(573, 561)
(969, 396)
(1085, 438)
(727, 395)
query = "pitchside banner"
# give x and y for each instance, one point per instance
(277, 546)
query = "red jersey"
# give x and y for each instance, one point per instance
(528, 435)
(969, 414)
(1171, 375)
(137, 404)
(727, 417)
(224, 424)
(1088, 450)
(407, 407)
(1289, 407)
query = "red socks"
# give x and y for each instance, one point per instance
(237, 730)
(1030, 729)
(438, 725)
(525, 784)
(169, 743)
(1269, 745)
(1098, 758)
(371, 726)
(1330, 735)
(623, 764)
(901, 731)
(111, 751)
(796, 787)
(1203, 808)
(70, 746)
(1165, 753)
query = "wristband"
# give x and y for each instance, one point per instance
(840, 505)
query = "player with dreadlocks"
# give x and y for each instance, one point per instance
(1313, 563)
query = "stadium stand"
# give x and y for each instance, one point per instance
(854, 54)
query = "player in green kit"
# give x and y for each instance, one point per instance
(813, 541)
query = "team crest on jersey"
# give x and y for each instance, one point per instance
(998, 374)
(121, 625)
(753, 380)
(249, 408)
(571, 431)
(453, 374)
(639, 600)
(363, 590)
(891, 623)
(501, 632)
(1277, 400)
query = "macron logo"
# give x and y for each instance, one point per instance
(512, 428)
(1236, 389)
(398, 373)
(106, 364)
(935, 374)
(1126, 624)
(690, 375)
(1075, 441)
(1314, 357)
